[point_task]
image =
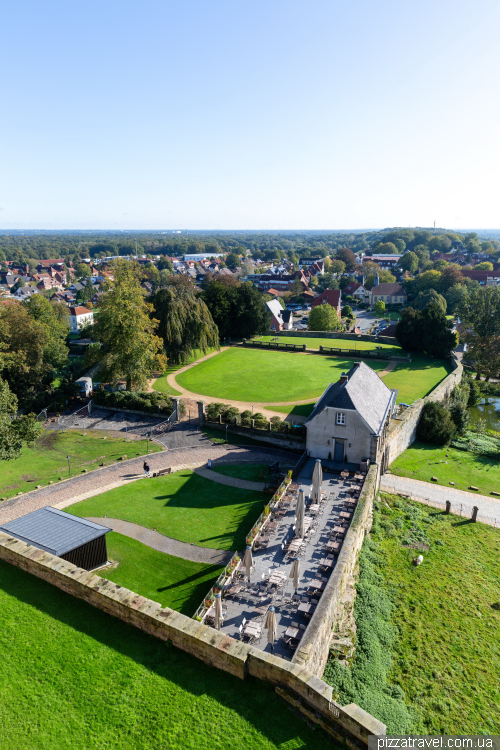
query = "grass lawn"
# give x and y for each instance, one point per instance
(417, 378)
(74, 677)
(184, 506)
(261, 376)
(161, 383)
(315, 343)
(265, 376)
(171, 581)
(250, 472)
(428, 636)
(47, 460)
(423, 461)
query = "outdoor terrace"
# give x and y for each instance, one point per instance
(245, 604)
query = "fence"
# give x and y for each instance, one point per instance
(456, 509)
(230, 569)
(365, 353)
(70, 420)
(275, 345)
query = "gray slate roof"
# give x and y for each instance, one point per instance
(364, 392)
(54, 530)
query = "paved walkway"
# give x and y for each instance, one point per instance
(78, 488)
(242, 484)
(390, 367)
(164, 543)
(436, 494)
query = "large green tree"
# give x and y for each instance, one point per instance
(185, 322)
(425, 298)
(238, 309)
(479, 313)
(427, 331)
(409, 262)
(54, 319)
(14, 430)
(347, 256)
(130, 348)
(323, 318)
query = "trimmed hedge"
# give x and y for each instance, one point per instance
(153, 403)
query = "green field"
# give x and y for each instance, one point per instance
(270, 377)
(260, 376)
(171, 581)
(74, 678)
(161, 383)
(250, 472)
(315, 343)
(47, 460)
(184, 506)
(423, 461)
(428, 657)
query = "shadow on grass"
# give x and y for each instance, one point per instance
(215, 569)
(253, 700)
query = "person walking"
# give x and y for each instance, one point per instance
(146, 469)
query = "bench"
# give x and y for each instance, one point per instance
(162, 472)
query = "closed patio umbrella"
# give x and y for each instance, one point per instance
(300, 513)
(317, 479)
(270, 626)
(295, 573)
(218, 612)
(248, 561)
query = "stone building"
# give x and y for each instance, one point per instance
(350, 421)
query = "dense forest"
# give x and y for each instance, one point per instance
(24, 246)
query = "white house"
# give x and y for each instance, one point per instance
(280, 319)
(79, 317)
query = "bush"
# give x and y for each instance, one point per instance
(155, 403)
(213, 410)
(246, 417)
(436, 425)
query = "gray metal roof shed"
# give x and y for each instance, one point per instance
(72, 538)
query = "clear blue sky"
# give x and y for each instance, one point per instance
(265, 114)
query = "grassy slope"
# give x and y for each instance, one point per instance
(94, 682)
(47, 460)
(184, 506)
(250, 472)
(437, 632)
(171, 581)
(423, 461)
(315, 343)
(448, 655)
(265, 376)
(161, 383)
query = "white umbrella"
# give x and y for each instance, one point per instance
(317, 479)
(248, 561)
(295, 573)
(218, 612)
(300, 513)
(270, 626)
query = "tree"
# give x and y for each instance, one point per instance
(380, 307)
(387, 248)
(54, 319)
(297, 288)
(479, 312)
(450, 276)
(20, 283)
(485, 266)
(151, 273)
(22, 341)
(14, 431)
(164, 264)
(323, 318)
(84, 295)
(130, 348)
(409, 262)
(425, 298)
(386, 277)
(337, 266)
(232, 261)
(347, 312)
(185, 323)
(436, 425)
(238, 309)
(400, 245)
(426, 280)
(426, 331)
(348, 258)
(83, 271)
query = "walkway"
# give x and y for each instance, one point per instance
(165, 543)
(242, 484)
(436, 494)
(70, 491)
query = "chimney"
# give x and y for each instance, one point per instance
(355, 364)
(343, 379)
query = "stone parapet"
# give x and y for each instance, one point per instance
(293, 681)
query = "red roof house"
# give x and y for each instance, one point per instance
(328, 297)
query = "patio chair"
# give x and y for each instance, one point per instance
(302, 626)
(294, 624)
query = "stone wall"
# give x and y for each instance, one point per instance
(337, 335)
(402, 431)
(286, 442)
(294, 682)
(313, 651)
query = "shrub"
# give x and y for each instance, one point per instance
(436, 425)
(137, 400)
(246, 417)
(213, 410)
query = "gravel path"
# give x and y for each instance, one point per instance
(165, 543)
(78, 488)
(436, 494)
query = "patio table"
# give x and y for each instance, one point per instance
(326, 563)
(263, 609)
(294, 545)
(277, 577)
(318, 585)
(338, 530)
(252, 628)
(333, 546)
(345, 514)
(306, 608)
(292, 632)
(314, 508)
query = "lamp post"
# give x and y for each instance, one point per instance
(69, 464)
(226, 432)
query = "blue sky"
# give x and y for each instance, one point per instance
(226, 115)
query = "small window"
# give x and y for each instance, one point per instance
(340, 418)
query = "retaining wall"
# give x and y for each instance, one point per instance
(295, 683)
(402, 431)
(264, 436)
(338, 335)
(313, 651)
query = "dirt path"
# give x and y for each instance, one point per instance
(162, 543)
(390, 367)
